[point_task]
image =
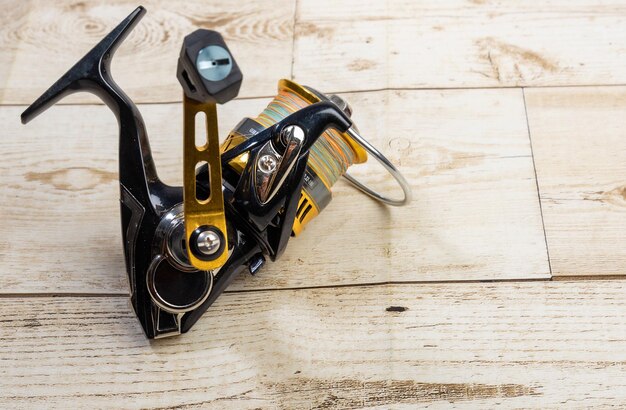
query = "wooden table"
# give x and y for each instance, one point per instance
(500, 285)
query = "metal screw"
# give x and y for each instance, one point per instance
(214, 63)
(267, 163)
(290, 132)
(208, 242)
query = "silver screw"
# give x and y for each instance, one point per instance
(291, 132)
(267, 163)
(214, 63)
(208, 242)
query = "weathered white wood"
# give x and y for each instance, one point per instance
(403, 9)
(475, 213)
(579, 142)
(41, 40)
(353, 45)
(516, 345)
(343, 46)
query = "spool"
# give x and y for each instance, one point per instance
(330, 157)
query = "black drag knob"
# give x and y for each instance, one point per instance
(207, 70)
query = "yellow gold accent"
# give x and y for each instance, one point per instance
(303, 216)
(284, 84)
(211, 210)
(234, 139)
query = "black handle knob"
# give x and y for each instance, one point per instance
(207, 70)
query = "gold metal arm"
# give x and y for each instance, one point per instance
(205, 223)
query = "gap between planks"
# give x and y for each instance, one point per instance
(574, 278)
(359, 91)
(532, 155)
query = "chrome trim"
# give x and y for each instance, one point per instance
(387, 165)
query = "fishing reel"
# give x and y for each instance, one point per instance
(241, 201)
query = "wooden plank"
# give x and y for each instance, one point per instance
(475, 213)
(409, 44)
(42, 40)
(530, 345)
(466, 154)
(579, 142)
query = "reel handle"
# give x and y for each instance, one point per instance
(208, 74)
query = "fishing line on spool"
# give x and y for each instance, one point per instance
(331, 155)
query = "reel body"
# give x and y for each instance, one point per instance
(240, 202)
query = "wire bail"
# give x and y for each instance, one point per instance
(387, 165)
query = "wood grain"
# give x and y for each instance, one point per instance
(512, 345)
(466, 154)
(579, 142)
(41, 40)
(402, 320)
(407, 44)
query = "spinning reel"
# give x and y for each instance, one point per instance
(241, 201)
